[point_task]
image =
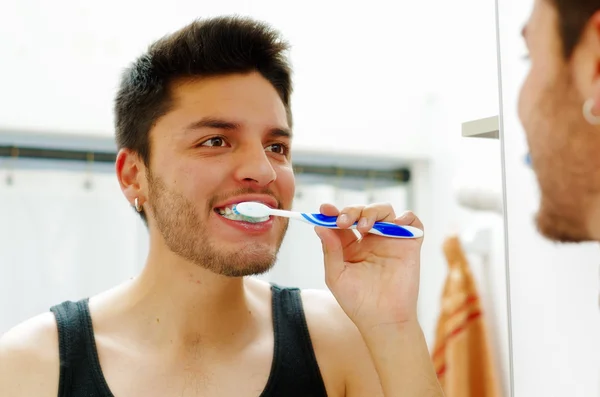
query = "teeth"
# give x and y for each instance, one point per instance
(229, 214)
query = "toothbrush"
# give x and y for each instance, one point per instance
(259, 210)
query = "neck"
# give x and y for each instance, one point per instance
(176, 302)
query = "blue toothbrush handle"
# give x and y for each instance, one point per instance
(386, 229)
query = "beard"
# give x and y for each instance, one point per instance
(564, 155)
(187, 236)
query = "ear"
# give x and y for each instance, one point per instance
(594, 33)
(131, 174)
(586, 62)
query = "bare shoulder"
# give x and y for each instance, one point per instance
(327, 316)
(338, 344)
(29, 358)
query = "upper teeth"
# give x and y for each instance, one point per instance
(228, 213)
(226, 210)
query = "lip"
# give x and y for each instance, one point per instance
(267, 200)
(247, 227)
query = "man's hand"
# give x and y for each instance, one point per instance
(375, 280)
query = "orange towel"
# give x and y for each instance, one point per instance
(462, 354)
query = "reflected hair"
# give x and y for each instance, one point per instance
(574, 16)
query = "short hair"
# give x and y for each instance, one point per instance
(573, 17)
(204, 48)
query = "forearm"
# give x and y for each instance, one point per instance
(402, 361)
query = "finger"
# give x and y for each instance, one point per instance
(329, 209)
(349, 215)
(333, 254)
(347, 236)
(408, 218)
(375, 213)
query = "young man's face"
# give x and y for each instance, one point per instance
(565, 148)
(225, 140)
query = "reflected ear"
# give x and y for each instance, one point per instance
(594, 33)
(585, 63)
(593, 38)
(131, 174)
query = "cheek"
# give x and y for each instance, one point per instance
(197, 184)
(286, 183)
(533, 102)
(527, 99)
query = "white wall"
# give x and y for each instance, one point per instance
(390, 77)
(72, 53)
(554, 288)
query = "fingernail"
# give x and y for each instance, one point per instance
(343, 218)
(362, 222)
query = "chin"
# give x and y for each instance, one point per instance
(253, 267)
(245, 260)
(560, 227)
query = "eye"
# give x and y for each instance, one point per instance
(278, 148)
(216, 141)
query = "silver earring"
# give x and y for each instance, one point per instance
(588, 112)
(138, 207)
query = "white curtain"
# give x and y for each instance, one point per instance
(59, 240)
(396, 195)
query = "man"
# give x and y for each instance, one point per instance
(203, 121)
(560, 110)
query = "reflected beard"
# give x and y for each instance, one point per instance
(185, 235)
(566, 164)
(561, 225)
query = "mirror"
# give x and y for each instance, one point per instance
(553, 287)
(390, 105)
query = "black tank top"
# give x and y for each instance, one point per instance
(294, 373)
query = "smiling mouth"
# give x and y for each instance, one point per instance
(227, 213)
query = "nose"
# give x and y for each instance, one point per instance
(254, 167)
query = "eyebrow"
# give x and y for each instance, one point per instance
(221, 124)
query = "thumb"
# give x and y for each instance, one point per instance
(333, 253)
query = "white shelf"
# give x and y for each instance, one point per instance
(482, 128)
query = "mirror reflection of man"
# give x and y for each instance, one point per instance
(559, 108)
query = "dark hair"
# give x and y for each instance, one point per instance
(573, 17)
(209, 47)
(206, 47)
